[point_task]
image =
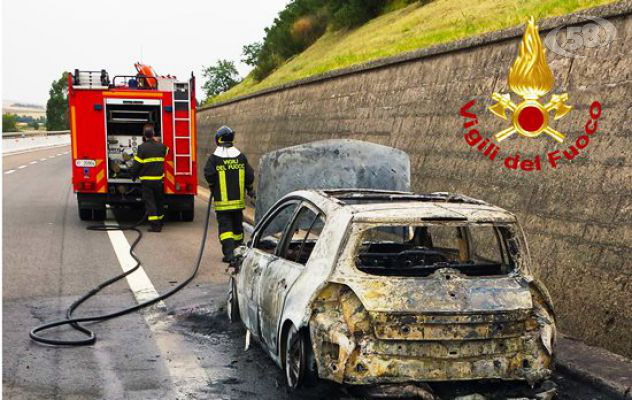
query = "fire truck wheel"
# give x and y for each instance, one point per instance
(187, 215)
(173, 215)
(92, 214)
(98, 214)
(85, 214)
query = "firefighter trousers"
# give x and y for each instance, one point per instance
(154, 199)
(231, 230)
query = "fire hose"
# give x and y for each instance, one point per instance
(75, 322)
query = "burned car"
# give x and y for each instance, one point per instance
(370, 287)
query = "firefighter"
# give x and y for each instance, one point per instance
(229, 176)
(149, 168)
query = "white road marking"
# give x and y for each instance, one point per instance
(43, 159)
(60, 154)
(22, 166)
(187, 375)
(138, 281)
(33, 162)
(9, 172)
(51, 156)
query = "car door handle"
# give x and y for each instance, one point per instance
(283, 283)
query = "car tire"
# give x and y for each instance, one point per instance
(298, 359)
(232, 303)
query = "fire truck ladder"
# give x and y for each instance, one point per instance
(182, 128)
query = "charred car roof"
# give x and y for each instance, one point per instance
(384, 206)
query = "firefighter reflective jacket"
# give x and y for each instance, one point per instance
(149, 161)
(229, 176)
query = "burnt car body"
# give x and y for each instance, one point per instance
(369, 287)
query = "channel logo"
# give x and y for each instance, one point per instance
(530, 79)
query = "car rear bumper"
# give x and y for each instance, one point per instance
(358, 347)
(378, 362)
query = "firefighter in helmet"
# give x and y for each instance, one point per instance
(229, 176)
(149, 168)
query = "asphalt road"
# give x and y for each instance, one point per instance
(184, 349)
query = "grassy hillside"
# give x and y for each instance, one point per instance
(406, 29)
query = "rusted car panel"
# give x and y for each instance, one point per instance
(298, 304)
(445, 292)
(407, 213)
(359, 347)
(444, 325)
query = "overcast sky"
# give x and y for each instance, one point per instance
(41, 39)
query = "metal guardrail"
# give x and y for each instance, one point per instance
(10, 135)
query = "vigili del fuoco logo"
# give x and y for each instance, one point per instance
(530, 79)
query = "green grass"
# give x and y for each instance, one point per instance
(414, 27)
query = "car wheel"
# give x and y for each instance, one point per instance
(232, 304)
(296, 358)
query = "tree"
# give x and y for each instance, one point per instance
(251, 53)
(57, 105)
(8, 123)
(219, 78)
(35, 125)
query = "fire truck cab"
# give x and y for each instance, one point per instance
(106, 123)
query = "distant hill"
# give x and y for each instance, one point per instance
(419, 25)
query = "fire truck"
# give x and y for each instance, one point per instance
(106, 123)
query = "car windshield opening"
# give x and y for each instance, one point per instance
(473, 249)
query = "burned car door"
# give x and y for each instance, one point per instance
(263, 249)
(279, 276)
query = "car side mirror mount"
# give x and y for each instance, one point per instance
(267, 244)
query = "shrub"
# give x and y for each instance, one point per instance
(351, 13)
(9, 123)
(308, 29)
(302, 22)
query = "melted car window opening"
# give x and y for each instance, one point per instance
(303, 235)
(300, 251)
(270, 236)
(420, 250)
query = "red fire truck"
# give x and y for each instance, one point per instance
(106, 123)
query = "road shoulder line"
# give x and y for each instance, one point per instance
(138, 281)
(187, 375)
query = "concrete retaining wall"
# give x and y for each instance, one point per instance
(577, 217)
(16, 144)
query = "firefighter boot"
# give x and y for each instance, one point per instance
(155, 226)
